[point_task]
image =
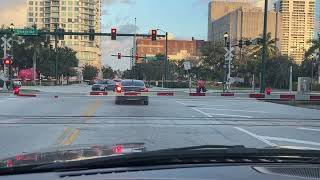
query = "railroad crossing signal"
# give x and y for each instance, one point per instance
(7, 61)
(229, 54)
(6, 42)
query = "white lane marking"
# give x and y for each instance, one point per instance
(230, 115)
(290, 140)
(235, 110)
(309, 129)
(206, 114)
(256, 136)
(181, 103)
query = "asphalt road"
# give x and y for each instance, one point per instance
(32, 124)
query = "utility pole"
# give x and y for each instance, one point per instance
(166, 62)
(264, 49)
(56, 53)
(290, 80)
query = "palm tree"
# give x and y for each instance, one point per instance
(315, 46)
(272, 50)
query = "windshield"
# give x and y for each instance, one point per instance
(132, 83)
(165, 74)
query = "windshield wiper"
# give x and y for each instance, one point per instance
(190, 155)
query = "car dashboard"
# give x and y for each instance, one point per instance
(178, 172)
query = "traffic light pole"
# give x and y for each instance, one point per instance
(166, 62)
(5, 67)
(264, 49)
(56, 54)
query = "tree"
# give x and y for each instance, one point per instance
(212, 62)
(272, 49)
(108, 73)
(90, 72)
(315, 46)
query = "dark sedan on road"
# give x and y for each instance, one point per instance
(131, 91)
(104, 85)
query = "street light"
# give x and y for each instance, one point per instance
(166, 61)
(12, 27)
(226, 36)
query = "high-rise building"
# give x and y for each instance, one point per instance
(298, 20)
(72, 16)
(218, 9)
(244, 23)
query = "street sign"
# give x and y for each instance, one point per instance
(26, 32)
(187, 65)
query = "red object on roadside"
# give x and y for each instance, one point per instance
(118, 149)
(16, 91)
(268, 91)
(9, 163)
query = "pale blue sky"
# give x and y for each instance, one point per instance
(184, 18)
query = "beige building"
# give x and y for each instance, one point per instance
(218, 9)
(298, 19)
(245, 23)
(73, 16)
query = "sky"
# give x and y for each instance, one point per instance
(183, 18)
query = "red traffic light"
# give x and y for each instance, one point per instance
(7, 61)
(154, 35)
(119, 55)
(113, 34)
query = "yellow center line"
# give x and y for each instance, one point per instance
(64, 135)
(72, 137)
(73, 133)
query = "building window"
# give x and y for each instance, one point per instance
(69, 8)
(30, 14)
(63, 8)
(76, 9)
(70, 3)
(75, 37)
(30, 19)
(30, 2)
(30, 8)
(69, 20)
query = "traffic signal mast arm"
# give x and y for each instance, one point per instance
(128, 56)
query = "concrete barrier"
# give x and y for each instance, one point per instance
(197, 94)
(98, 93)
(165, 93)
(26, 95)
(227, 94)
(257, 96)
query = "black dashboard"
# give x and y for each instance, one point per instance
(203, 172)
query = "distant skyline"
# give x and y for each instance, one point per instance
(184, 18)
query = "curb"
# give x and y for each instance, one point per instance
(26, 95)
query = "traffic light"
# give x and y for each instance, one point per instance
(61, 34)
(7, 61)
(91, 36)
(154, 35)
(113, 34)
(240, 43)
(119, 55)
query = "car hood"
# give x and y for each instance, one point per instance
(71, 153)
